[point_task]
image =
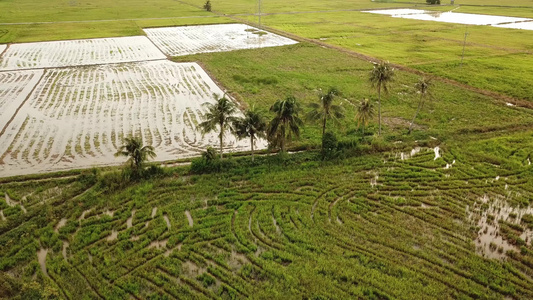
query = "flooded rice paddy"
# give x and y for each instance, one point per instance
(457, 18)
(185, 40)
(77, 117)
(69, 104)
(79, 53)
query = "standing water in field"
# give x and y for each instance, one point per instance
(489, 216)
(41, 257)
(457, 18)
(437, 152)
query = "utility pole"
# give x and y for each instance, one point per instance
(259, 12)
(464, 45)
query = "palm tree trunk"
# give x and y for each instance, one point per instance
(323, 131)
(283, 137)
(417, 110)
(379, 108)
(221, 137)
(252, 146)
(324, 126)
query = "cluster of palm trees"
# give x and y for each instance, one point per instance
(286, 122)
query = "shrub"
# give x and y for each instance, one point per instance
(329, 146)
(207, 5)
(206, 279)
(432, 2)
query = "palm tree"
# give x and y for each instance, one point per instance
(133, 148)
(219, 115)
(365, 112)
(380, 77)
(325, 109)
(252, 126)
(422, 87)
(286, 119)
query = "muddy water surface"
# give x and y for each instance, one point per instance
(189, 218)
(486, 215)
(41, 257)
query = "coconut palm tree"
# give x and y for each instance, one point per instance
(325, 109)
(380, 78)
(285, 123)
(252, 126)
(423, 88)
(365, 112)
(137, 153)
(219, 116)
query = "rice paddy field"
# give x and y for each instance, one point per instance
(442, 213)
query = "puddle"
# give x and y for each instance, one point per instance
(455, 17)
(191, 269)
(41, 257)
(437, 152)
(154, 211)
(158, 244)
(129, 222)
(489, 242)
(449, 165)
(189, 218)
(166, 221)
(61, 223)
(64, 250)
(112, 236)
(415, 151)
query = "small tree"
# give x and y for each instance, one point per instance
(423, 88)
(285, 123)
(207, 5)
(325, 109)
(433, 2)
(252, 126)
(219, 115)
(380, 77)
(137, 153)
(210, 154)
(365, 112)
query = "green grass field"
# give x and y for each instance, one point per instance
(367, 225)
(275, 230)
